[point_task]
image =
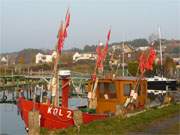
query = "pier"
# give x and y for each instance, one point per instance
(13, 81)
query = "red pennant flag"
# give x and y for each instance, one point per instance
(63, 32)
(107, 41)
(67, 18)
(109, 34)
(99, 58)
(67, 21)
(147, 63)
(151, 58)
(102, 52)
(142, 62)
(61, 38)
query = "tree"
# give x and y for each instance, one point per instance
(76, 49)
(176, 50)
(139, 42)
(88, 48)
(33, 59)
(106, 64)
(133, 67)
(169, 67)
(21, 60)
(65, 58)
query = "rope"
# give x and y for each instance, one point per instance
(77, 87)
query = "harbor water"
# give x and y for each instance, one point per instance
(10, 120)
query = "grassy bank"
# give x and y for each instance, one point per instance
(118, 125)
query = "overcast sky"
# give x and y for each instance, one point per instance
(34, 23)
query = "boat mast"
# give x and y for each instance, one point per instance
(159, 31)
(123, 59)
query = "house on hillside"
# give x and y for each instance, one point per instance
(84, 56)
(177, 60)
(42, 58)
(3, 60)
(118, 51)
(127, 48)
(142, 48)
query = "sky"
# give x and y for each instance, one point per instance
(35, 23)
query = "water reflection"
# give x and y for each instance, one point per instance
(10, 122)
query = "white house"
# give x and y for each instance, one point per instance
(42, 58)
(3, 60)
(84, 56)
(177, 60)
(127, 48)
(142, 48)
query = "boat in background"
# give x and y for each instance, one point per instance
(159, 85)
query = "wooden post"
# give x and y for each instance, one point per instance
(77, 116)
(78, 119)
(119, 110)
(33, 123)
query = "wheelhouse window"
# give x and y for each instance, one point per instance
(127, 89)
(107, 90)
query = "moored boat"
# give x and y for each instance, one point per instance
(109, 94)
(106, 96)
(161, 84)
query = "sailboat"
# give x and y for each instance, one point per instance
(160, 84)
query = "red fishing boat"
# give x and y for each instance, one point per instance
(53, 115)
(107, 96)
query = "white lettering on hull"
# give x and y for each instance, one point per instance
(55, 111)
(49, 110)
(59, 112)
(69, 114)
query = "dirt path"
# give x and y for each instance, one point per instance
(168, 126)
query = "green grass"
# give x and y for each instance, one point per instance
(118, 125)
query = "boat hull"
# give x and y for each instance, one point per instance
(162, 85)
(53, 117)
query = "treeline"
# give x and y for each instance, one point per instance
(134, 43)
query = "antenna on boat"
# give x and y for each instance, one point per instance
(123, 60)
(160, 49)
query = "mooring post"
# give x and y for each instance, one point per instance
(78, 119)
(34, 118)
(34, 123)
